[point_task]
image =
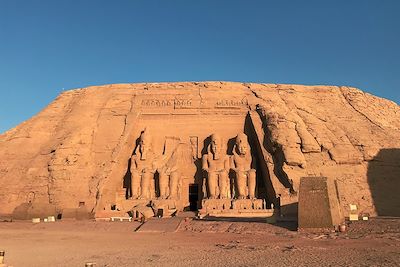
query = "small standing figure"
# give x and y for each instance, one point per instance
(242, 166)
(216, 164)
(142, 168)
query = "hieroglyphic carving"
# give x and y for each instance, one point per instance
(157, 103)
(182, 103)
(231, 103)
(176, 103)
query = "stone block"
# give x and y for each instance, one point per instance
(216, 204)
(164, 207)
(128, 204)
(353, 207)
(164, 203)
(353, 217)
(142, 212)
(318, 203)
(247, 204)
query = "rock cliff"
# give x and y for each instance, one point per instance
(77, 149)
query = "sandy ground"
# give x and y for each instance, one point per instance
(198, 243)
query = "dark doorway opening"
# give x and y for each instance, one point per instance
(193, 196)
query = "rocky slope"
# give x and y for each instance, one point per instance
(76, 148)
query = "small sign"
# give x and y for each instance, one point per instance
(353, 217)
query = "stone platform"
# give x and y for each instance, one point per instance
(128, 204)
(248, 204)
(166, 207)
(138, 206)
(249, 208)
(216, 204)
(167, 203)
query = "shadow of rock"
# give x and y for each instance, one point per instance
(384, 182)
(27, 211)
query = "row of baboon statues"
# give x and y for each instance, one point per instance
(215, 163)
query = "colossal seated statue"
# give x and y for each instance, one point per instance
(172, 165)
(171, 174)
(216, 164)
(241, 163)
(143, 168)
(169, 170)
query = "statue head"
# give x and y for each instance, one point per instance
(242, 144)
(216, 145)
(144, 144)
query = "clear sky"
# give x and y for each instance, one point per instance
(48, 46)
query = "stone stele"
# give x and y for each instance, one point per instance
(177, 146)
(318, 203)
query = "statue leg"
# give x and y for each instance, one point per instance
(173, 185)
(146, 180)
(135, 184)
(241, 184)
(163, 185)
(212, 184)
(251, 181)
(223, 185)
(152, 187)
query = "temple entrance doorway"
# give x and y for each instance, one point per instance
(193, 196)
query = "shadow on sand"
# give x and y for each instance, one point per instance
(289, 225)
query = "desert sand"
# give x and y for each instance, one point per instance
(199, 243)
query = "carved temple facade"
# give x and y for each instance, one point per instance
(191, 153)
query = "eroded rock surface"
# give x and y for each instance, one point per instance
(76, 151)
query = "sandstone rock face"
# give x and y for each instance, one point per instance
(76, 151)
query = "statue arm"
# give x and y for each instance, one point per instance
(232, 163)
(133, 164)
(204, 164)
(158, 163)
(227, 163)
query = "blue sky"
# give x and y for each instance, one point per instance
(46, 46)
